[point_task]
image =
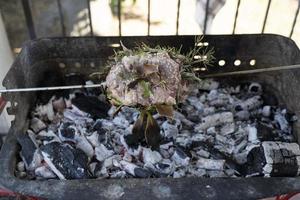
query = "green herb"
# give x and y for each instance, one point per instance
(147, 88)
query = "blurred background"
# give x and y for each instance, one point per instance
(22, 20)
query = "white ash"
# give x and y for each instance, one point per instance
(37, 125)
(214, 120)
(212, 164)
(44, 172)
(102, 153)
(150, 156)
(213, 133)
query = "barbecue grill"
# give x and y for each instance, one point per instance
(42, 57)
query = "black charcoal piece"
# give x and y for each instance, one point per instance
(256, 161)
(44, 138)
(92, 105)
(274, 159)
(74, 79)
(50, 77)
(269, 98)
(142, 173)
(131, 141)
(101, 131)
(97, 170)
(64, 161)
(68, 132)
(265, 132)
(180, 157)
(29, 152)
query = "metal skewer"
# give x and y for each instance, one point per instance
(252, 71)
(50, 88)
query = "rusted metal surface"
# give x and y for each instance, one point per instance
(44, 58)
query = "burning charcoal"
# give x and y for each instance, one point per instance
(150, 156)
(252, 134)
(266, 111)
(91, 105)
(67, 132)
(29, 152)
(210, 164)
(203, 153)
(46, 110)
(214, 120)
(102, 153)
(44, 172)
(83, 144)
(169, 130)
(180, 157)
(249, 104)
(255, 88)
(64, 161)
(37, 125)
(242, 115)
(134, 170)
(274, 159)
